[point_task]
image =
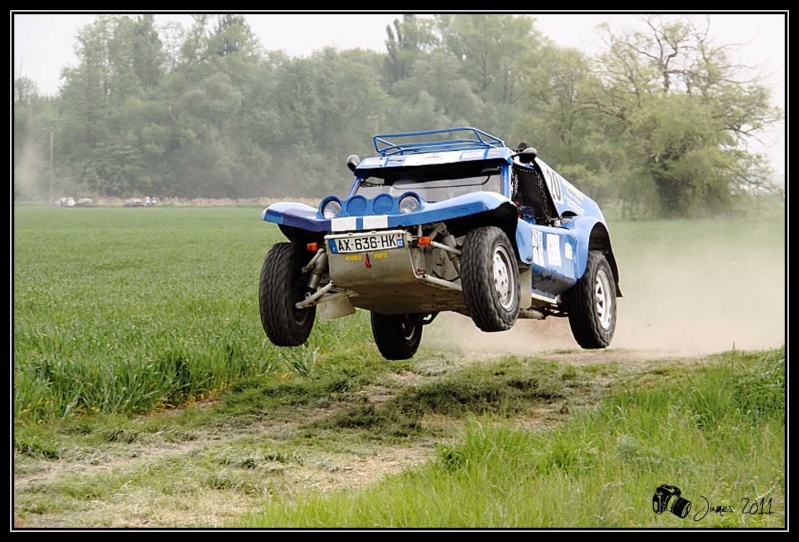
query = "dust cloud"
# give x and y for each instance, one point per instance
(31, 171)
(695, 297)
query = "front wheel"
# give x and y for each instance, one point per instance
(396, 336)
(282, 285)
(490, 279)
(591, 304)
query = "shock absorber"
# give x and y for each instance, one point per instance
(454, 257)
(318, 270)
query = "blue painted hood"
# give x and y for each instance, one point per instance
(360, 213)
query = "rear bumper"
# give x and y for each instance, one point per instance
(391, 281)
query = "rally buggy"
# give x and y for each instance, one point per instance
(442, 220)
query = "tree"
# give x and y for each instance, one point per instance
(110, 133)
(149, 55)
(487, 45)
(327, 106)
(232, 36)
(440, 76)
(409, 39)
(685, 110)
(568, 133)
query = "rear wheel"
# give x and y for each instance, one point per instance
(591, 304)
(490, 279)
(282, 285)
(396, 336)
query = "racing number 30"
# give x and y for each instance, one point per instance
(554, 186)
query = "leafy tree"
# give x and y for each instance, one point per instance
(328, 105)
(212, 101)
(487, 46)
(685, 110)
(440, 76)
(568, 133)
(120, 67)
(406, 41)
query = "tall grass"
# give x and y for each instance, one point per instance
(717, 432)
(129, 310)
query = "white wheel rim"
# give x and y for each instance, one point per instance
(503, 281)
(603, 300)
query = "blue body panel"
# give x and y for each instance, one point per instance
(302, 216)
(581, 228)
(550, 253)
(296, 215)
(465, 205)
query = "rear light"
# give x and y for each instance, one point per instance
(312, 247)
(423, 241)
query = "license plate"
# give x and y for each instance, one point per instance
(366, 243)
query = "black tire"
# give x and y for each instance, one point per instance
(396, 336)
(591, 304)
(281, 286)
(490, 279)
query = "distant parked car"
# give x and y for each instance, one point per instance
(148, 201)
(85, 202)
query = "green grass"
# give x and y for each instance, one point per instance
(506, 388)
(716, 431)
(130, 310)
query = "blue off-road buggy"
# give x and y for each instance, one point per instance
(442, 220)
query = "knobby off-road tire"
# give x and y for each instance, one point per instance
(490, 279)
(591, 304)
(281, 286)
(396, 336)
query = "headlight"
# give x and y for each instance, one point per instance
(408, 204)
(331, 209)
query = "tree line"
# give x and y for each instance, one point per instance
(658, 121)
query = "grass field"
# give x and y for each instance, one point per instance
(130, 310)
(120, 313)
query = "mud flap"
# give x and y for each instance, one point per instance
(525, 287)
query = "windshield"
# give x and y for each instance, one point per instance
(433, 185)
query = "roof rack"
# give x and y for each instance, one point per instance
(469, 138)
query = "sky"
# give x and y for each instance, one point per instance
(44, 43)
